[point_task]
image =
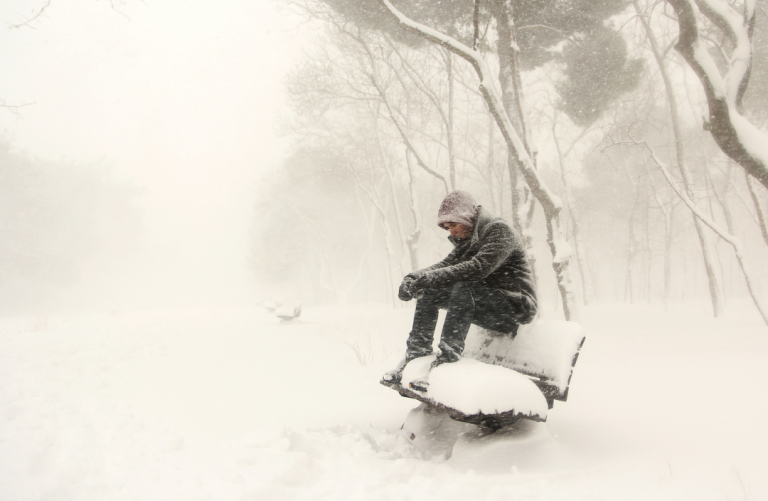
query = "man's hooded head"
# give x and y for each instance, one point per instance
(457, 207)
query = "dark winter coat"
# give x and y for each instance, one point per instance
(493, 256)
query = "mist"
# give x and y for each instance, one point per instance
(207, 211)
(174, 102)
(253, 166)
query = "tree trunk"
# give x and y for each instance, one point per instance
(710, 183)
(572, 214)
(509, 73)
(528, 209)
(449, 127)
(513, 102)
(630, 259)
(667, 213)
(413, 239)
(730, 239)
(758, 209)
(648, 253)
(490, 161)
(714, 287)
(667, 257)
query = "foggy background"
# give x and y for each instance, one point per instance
(148, 124)
(190, 153)
(167, 167)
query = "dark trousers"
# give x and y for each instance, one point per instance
(467, 303)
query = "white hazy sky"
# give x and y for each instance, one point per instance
(180, 96)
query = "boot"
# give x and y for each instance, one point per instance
(395, 375)
(422, 383)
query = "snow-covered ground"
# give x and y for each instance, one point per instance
(231, 404)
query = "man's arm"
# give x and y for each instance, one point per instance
(410, 284)
(447, 261)
(497, 246)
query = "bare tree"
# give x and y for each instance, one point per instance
(715, 291)
(564, 178)
(734, 242)
(666, 211)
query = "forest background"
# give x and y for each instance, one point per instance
(640, 202)
(381, 123)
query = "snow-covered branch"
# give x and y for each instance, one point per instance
(737, 137)
(28, 21)
(739, 29)
(549, 200)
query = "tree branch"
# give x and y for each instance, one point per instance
(735, 135)
(721, 232)
(34, 17)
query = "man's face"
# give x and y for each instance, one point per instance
(458, 230)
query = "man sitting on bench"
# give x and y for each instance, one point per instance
(486, 280)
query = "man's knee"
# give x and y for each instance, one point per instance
(428, 296)
(462, 298)
(438, 297)
(462, 288)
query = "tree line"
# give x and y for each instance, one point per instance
(624, 141)
(56, 219)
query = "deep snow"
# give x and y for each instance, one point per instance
(230, 403)
(474, 387)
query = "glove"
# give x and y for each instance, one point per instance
(404, 293)
(413, 286)
(419, 286)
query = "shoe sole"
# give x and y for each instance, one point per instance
(418, 387)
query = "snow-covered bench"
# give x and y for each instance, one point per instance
(499, 379)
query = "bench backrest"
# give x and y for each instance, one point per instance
(545, 350)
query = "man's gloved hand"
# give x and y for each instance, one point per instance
(405, 293)
(419, 286)
(413, 286)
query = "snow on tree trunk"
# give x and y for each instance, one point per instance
(527, 209)
(514, 104)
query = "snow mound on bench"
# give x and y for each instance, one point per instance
(473, 387)
(544, 348)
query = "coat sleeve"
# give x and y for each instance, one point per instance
(447, 261)
(495, 246)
